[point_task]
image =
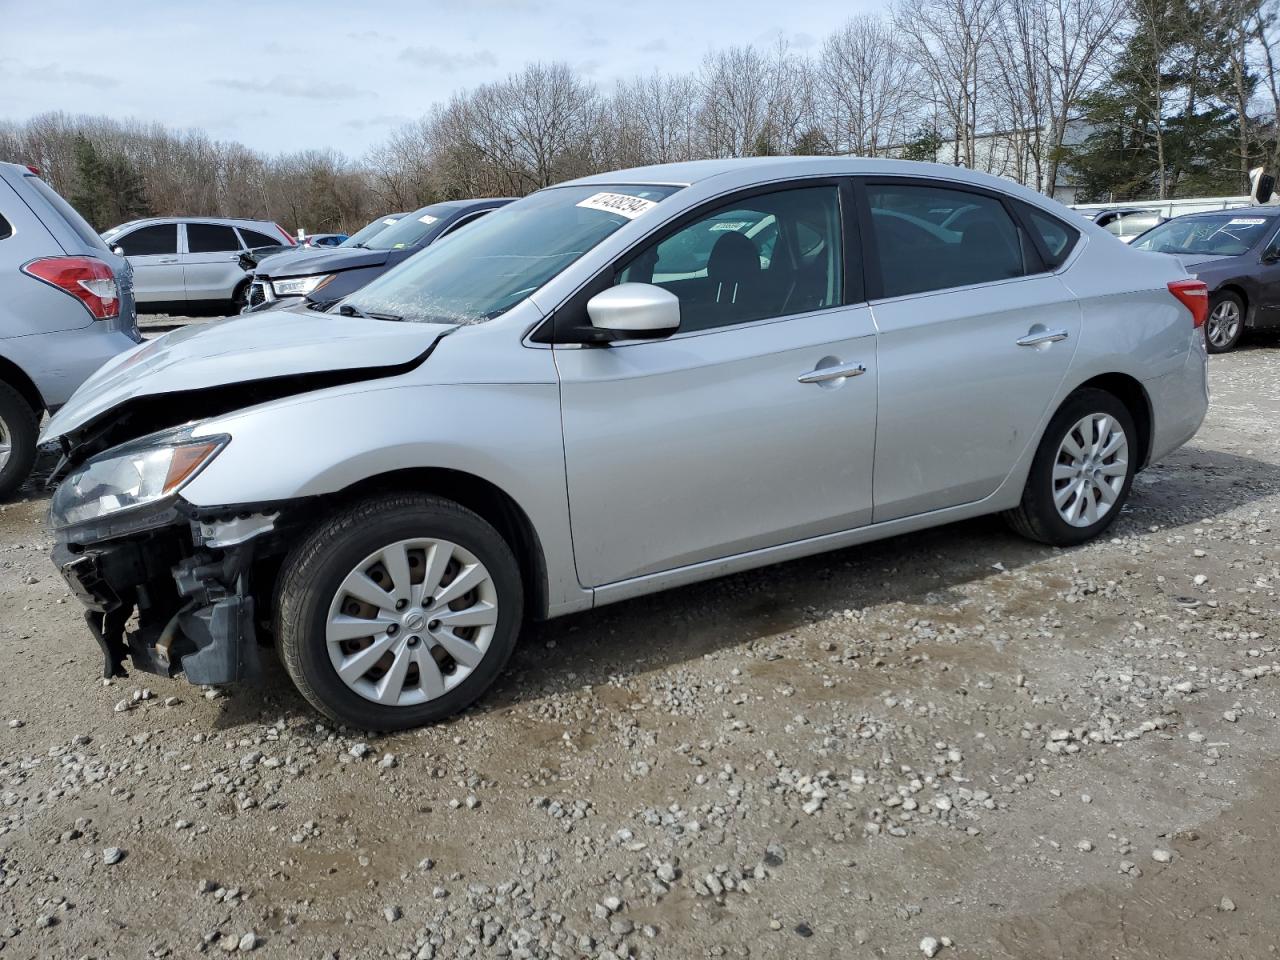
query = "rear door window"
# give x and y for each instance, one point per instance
(211, 238)
(158, 239)
(933, 238)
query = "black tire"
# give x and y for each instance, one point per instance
(1228, 343)
(1037, 516)
(240, 299)
(19, 426)
(313, 572)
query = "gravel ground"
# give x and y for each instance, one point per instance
(954, 743)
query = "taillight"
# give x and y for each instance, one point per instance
(35, 170)
(1194, 295)
(87, 279)
(287, 239)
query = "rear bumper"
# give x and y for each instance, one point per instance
(1179, 402)
(60, 361)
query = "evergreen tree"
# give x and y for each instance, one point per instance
(1163, 125)
(109, 190)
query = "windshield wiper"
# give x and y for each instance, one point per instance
(351, 310)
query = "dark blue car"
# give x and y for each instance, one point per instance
(326, 276)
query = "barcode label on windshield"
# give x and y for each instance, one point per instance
(428, 219)
(622, 204)
(1247, 221)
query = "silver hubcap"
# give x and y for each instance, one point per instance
(6, 444)
(1090, 470)
(1223, 323)
(411, 621)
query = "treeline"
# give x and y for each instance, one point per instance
(1118, 99)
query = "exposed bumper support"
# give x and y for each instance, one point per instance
(195, 612)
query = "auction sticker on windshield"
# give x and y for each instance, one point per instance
(427, 219)
(1247, 221)
(620, 203)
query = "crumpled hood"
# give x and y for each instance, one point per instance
(310, 262)
(250, 348)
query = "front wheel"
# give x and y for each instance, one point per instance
(399, 611)
(1082, 471)
(1225, 323)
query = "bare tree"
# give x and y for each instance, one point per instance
(952, 42)
(867, 87)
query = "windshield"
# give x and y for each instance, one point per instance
(370, 230)
(1225, 235)
(499, 260)
(411, 230)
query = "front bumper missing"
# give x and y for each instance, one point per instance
(168, 605)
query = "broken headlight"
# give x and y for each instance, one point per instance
(132, 476)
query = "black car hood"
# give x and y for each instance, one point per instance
(321, 261)
(1190, 260)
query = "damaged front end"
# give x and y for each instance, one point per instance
(175, 598)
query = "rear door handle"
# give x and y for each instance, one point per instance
(1034, 339)
(167, 260)
(837, 372)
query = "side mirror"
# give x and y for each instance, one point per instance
(1271, 255)
(118, 250)
(634, 310)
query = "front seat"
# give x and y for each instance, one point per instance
(733, 278)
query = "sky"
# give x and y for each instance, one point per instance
(282, 75)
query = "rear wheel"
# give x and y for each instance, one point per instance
(18, 429)
(398, 611)
(1082, 471)
(1225, 324)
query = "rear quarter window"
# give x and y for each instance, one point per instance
(253, 238)
(1056, 237)
(6, 228)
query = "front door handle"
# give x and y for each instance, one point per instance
(167, 260)
(1037, 337)
(837, 372)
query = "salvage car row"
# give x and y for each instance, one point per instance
(608, 388)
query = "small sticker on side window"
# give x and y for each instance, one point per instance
(1247, 221)
(734, 225)
(427, 219)
(624, 205)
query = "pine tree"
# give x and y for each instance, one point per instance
(109, 190)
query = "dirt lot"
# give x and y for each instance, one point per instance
(955, 742)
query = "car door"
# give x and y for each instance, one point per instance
(975, 335)
(1264, 272)
(211, 261)
(157, 270)
(753, 425)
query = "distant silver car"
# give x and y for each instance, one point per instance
(65, 309)
(192, 264)
(614, 386)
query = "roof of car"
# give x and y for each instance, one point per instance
(234, 221)
(1252, 211)
(694, 171)
(749, 171)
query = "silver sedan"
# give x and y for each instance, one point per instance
(614, 386)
